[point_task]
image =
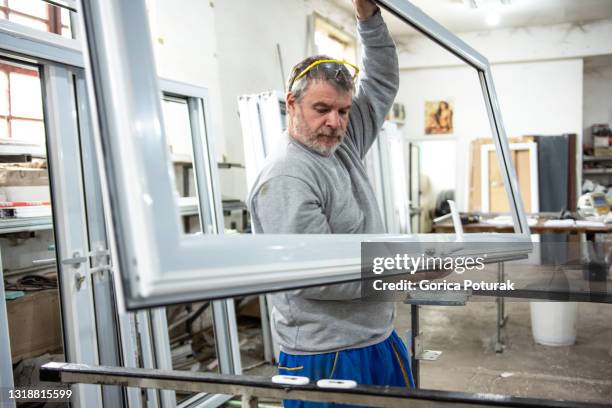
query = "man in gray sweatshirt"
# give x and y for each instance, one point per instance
(317, 184)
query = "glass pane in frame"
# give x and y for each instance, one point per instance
(4, 129)
(25, 91)
(29, 22)
(28, 131)
(178, 137)
(4, 91)
(34, 8)
(39, 15)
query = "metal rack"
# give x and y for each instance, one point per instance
(13, 225)
(16, 152)
(597, 171)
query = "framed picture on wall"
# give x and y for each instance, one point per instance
(438, 117)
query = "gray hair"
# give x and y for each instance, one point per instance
(335, 73)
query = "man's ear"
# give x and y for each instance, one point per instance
(290, 103)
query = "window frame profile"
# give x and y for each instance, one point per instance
(161, 265)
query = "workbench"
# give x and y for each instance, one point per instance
(538, 228)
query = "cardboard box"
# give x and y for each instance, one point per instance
(600, 141)
(602, 152)
(34, 324)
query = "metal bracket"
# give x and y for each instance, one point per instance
(438, 297)
(420, 354)
(98, 254)
(79, 280)
(100, 269)
(429, 355)
(77, 260)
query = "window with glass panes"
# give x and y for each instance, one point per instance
(21, 115)
(37, 14)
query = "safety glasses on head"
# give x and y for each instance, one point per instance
(328, 64)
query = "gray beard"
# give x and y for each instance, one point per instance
(312, 143)
(309, 138)
(326, 151)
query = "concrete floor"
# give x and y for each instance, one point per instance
(466, 336)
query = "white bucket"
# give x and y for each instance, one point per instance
(554, 323)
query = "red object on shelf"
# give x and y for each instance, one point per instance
(9, 204)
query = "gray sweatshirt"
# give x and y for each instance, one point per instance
(301, 192)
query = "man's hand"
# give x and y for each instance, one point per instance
(364, 9)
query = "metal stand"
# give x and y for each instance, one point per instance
(414, 328)
(419, 298)
(501, 314)
(266, 330)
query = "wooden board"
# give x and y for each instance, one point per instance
(498, 199)
(34, 324)
(475, 187)
(521, 159)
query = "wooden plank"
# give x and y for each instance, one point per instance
(475, 187)
(498, 199)
(34, 324)
(522, 164)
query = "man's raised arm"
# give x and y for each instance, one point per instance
(379, 79)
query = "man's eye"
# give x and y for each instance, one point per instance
(322, 110)
(344, 112)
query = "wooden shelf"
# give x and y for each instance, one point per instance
(596, 158)
(597, 171)
(22, 149)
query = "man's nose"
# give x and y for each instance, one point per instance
(333, 120)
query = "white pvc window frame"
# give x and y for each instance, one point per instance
(261, 121)
(379, 167)
(161, 265)
(55, 57)
(204, 162)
